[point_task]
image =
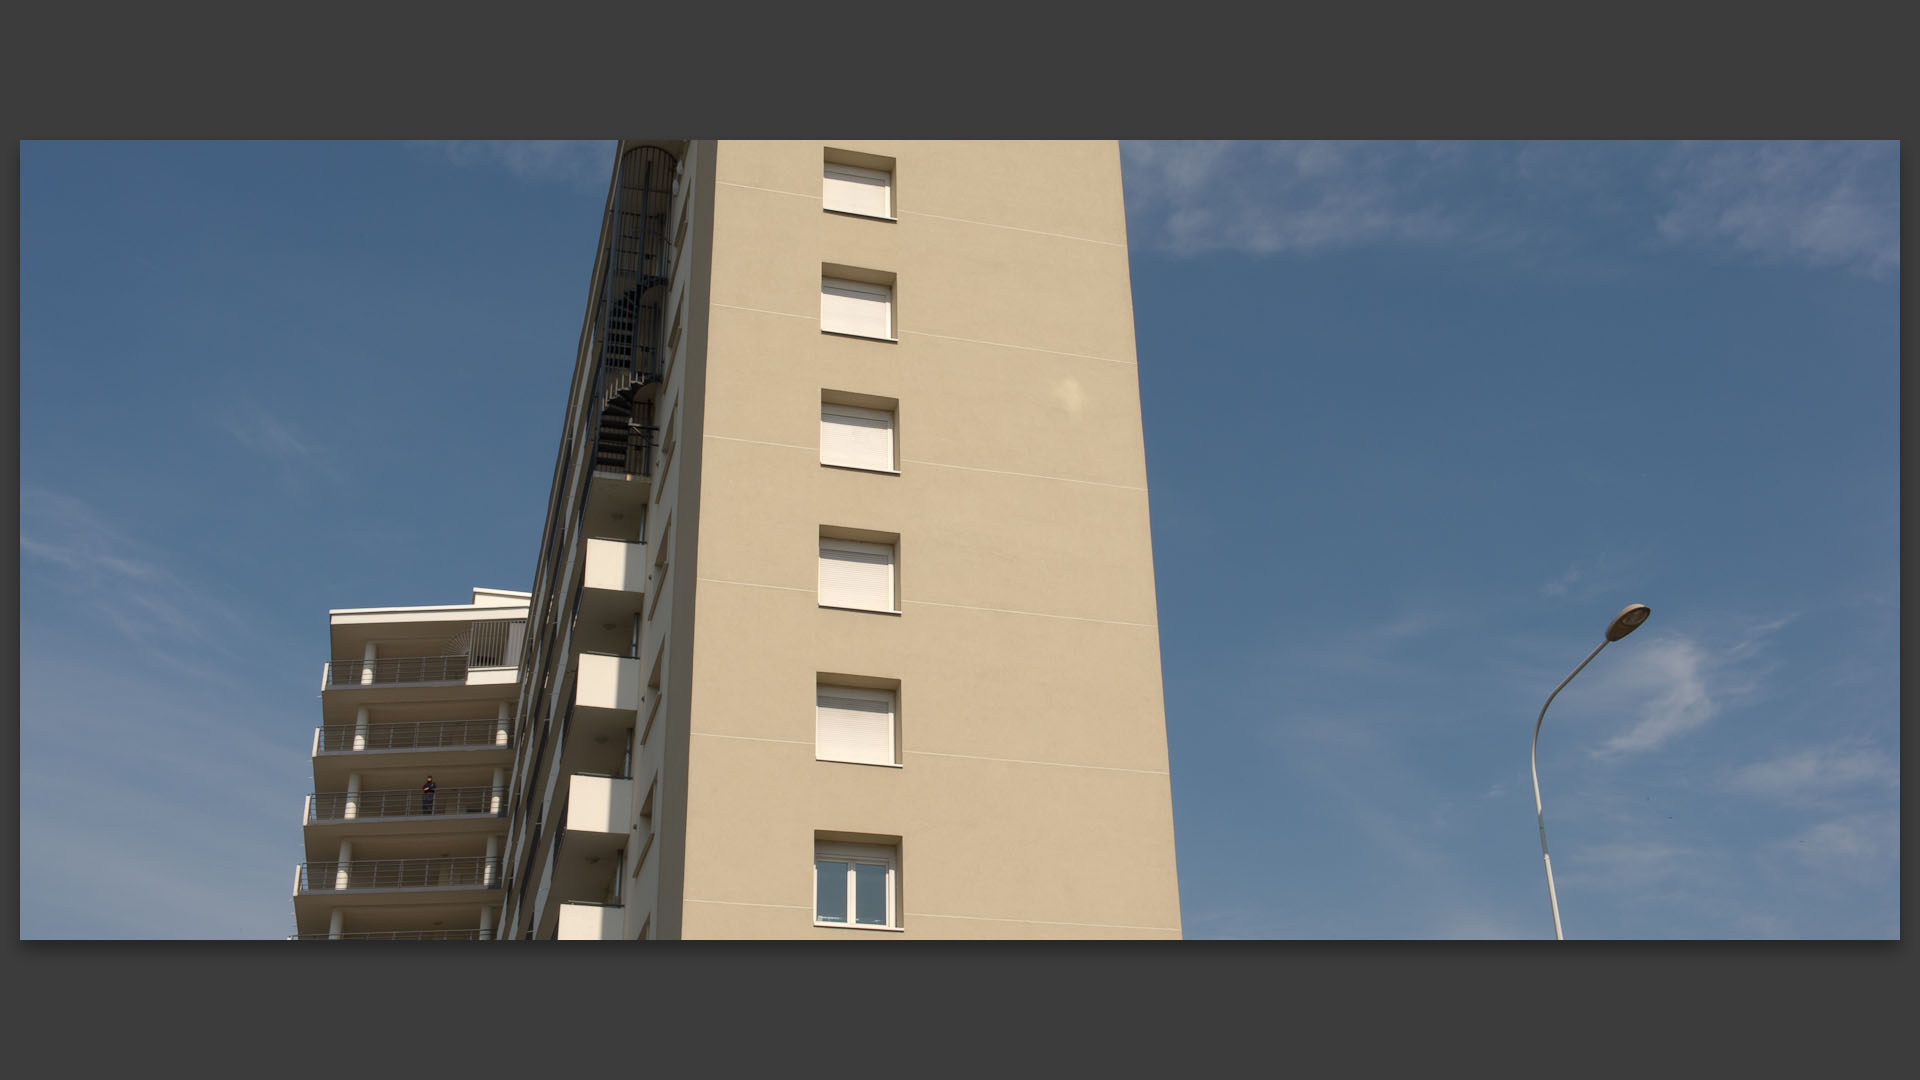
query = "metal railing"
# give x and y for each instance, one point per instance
(624, 450)
(417, 735)
(397, 669)
(637, 259)
(405, 802)
(475, 934)
(470, 871)
(494, 644)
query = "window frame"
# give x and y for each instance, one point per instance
(830, 280)
(858, 412)
(854, 174)
(892, 549)
(887, 855)
(890, 695)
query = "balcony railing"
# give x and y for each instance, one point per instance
(418, 735)
(623, 449)
(495, 643)
(397, 669)
(475, 934)
(406, 802)
(472, 872)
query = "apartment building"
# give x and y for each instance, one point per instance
(411, 695)
(843, 622)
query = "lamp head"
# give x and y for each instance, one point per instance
(1627, 621)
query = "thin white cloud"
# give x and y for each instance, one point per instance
(573, 161)
(1675, 685)
(1265, 198)
(1667, 676)
(1818, 774)
(1632, 865)
(117, 764)
(273, 436)
(121, 579)
(195, 891)
(1825, 204)
(1859, 845)
(1417, 623)
(1558, 586)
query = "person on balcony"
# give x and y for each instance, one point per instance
(426, 795)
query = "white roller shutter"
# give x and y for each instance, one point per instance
(852, 724)
(856, 307)
(856, 437)
(854, 190)
(856, 575)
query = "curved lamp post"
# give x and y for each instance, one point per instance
(1625, 623)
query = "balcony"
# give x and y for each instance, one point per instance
(397, 670)
(608, 683)
(622, 448)
(589, 922)
(405, 803)
(616, 566)
(385, 875)
(599, 810)
(483, 652)
(422, 735)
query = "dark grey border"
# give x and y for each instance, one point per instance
(1016, 71)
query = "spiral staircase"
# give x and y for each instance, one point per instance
(632, 311)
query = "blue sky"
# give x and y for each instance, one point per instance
(1420, 418)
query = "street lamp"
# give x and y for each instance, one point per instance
(1625, 623)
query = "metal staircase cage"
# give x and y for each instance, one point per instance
(632, 315)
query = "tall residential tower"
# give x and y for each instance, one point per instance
(843, 623)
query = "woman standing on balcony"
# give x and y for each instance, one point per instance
(426, 795)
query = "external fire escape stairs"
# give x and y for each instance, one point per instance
(632, 310)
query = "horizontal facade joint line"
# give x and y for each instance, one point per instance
(922, 213)
(743, 903)
(938, 753)
(1023, 348)
(936, 603)
(752, 738)
(898, 334)
(810, 197)
(1014, 228)
(1035, 614)
(940, 464)
(762, 442)
(1026, 761)
(1040, 922)
(813, 317)
(753, 584)
(1029, 476)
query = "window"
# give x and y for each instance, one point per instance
(857, 189)
(860, 308)
(856, 574)
(854, 885)
(855, 724)
(856, 437)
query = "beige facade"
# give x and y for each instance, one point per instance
(912, 689)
